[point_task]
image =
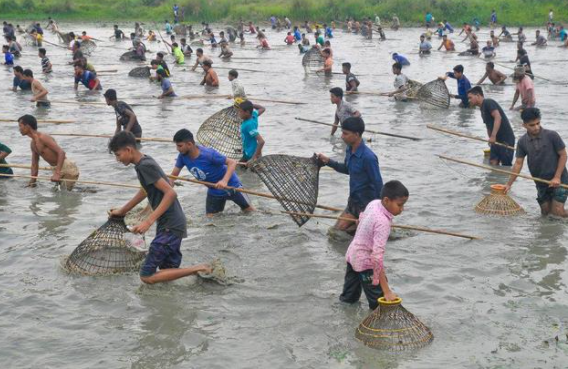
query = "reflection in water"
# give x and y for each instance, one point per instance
(56, 212)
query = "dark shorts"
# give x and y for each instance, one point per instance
(503, 155)
(216, 204)
(43, 104)
(354, 208)
(546, 194)
(164, 253)
(355, 282)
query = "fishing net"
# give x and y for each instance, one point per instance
(140, 72)
(105, 252)
(498, 203)
(393, 328)
(88, 46)
(222, 132)
(413, 87)
(312, 60)
(65, 37)
(293, 180)
(434, 93)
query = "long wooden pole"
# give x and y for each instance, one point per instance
(366, 130)
(211, 96)
(72, 180)
(415, 228)
(430, 126)
(260, 194)
(497, 170)
(24, 166)
(154, 139)
(40, 121)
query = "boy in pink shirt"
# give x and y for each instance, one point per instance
(365, 271)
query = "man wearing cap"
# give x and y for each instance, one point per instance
(362, 166)
(525, 89)
(125, 118)
(344, 109)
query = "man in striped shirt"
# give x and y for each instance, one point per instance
(45, 63)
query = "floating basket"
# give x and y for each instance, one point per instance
(140, 72)
(486, 153)
(294, 181)
(130, 56)
(498, 203)
(222, 132)
(105, 252)
(392, 328)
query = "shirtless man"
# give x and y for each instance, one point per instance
(328, 63)
(496, 77)
(44, 146)
(200, 58)
(210, 78)
(39, 92)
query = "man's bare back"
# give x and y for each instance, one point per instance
(45, 146)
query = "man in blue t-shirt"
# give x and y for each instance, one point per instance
(400, 59)
(252, 140)
(87, 78)
(207, 165)
(19, 80)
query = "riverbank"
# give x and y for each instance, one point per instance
(410, 12)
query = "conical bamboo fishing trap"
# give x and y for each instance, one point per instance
(222, 132)
(393, 328)
(294, 182)
(88, 46)
(105, 252)
(312, 60)
(434, 94)
(140, 72)
(498, 203)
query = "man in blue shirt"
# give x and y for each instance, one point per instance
(429, 19)
(463, 85)
(19, 80)
(448, 26)
(362, 166)
(400, 59)
(207, 165)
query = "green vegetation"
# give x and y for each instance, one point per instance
(511, 12)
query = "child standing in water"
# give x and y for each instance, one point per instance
(164, 253)
(365, 270)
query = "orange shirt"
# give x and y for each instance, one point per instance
(449, 45)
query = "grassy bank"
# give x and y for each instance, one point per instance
(511, 12)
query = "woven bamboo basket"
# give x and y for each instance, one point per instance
(393, 328)
(498, 203)
(105, 252)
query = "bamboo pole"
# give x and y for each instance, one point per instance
(40, 121)
(414, 228)
(497, 170)
(154, 139)
(366, 130)
(384, 94)
(249, 192)
(24, 166)
(73, 180)
(77, 102)
(430, 126)
(51, 43)
(207, 96)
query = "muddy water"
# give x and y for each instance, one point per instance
(494, 303)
